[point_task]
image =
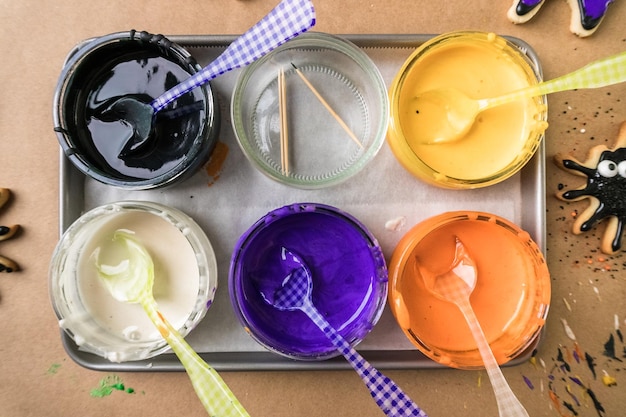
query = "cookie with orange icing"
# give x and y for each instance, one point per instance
(605, 169)
(7, 232)
(586, 15)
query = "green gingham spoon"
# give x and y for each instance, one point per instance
(131, 281)
(451, 113)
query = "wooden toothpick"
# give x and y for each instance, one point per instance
(327, 106)
(282, 114)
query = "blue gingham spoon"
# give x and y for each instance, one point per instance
(287, 20)
(295, 294)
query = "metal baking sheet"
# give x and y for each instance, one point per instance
(226, 206)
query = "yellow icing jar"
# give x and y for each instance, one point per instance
(501, 141)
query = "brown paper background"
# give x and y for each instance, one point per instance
(39, 379)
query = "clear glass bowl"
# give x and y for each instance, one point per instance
(184, 284)
(321, 152)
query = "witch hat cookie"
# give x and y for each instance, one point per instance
(605, 170)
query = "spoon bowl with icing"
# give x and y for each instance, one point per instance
(294, 293)
(502, 140)
(511, 296)
(130, 278)
(347, 269)
(452, 113)
(97, 324)
(456, 285)
(287, 20)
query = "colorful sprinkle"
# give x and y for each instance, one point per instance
(528, 382)
(577, 352)
(561, 359)
(571, 394)
(569, 307)
(608, 380)
(568, 330)
(53, 369)
(576, 380)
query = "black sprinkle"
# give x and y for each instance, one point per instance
(591, 364)
(570, 407)
(561, 359)
(599, 408)
(609, 348)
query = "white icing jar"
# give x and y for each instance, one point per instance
(185, 280)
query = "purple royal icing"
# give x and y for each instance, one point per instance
(594, 9)
(347, 266)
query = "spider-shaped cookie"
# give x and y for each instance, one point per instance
(605, 170)
(7, 232)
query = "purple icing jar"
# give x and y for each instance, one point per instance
(348, 271)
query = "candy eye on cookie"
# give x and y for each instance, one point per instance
(605, 189)
(7, 232)
(609, 169)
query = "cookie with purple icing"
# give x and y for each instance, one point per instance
(586, 15)
(7, 232)
(605, 189)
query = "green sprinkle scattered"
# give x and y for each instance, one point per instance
(109, 384)
(53, 369)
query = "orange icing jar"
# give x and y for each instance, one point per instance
(502, 139)
(511, 297)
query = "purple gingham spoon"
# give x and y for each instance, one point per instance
(287, 20)
(295, 294)
(455, 286)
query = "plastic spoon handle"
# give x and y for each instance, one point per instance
(508, 404)
(389, 397)
(217, 398)
(287, 20)
(607, 71)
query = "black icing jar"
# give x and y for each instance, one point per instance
(103, 69)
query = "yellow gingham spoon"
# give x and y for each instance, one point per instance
(451, 114)
(131, 281)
